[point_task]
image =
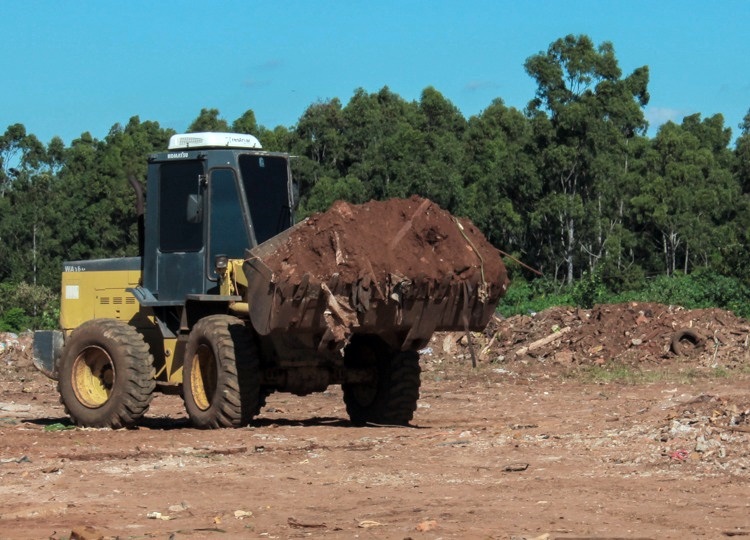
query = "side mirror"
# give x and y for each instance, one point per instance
(195, 208)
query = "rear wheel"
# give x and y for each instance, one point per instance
(392, 397)
(106, 375)
(221, 379)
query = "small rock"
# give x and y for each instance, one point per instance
(701, 445)
(564, 357)
(86, 533)
(678, 429)
(428, 525)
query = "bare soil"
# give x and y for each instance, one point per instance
(597, 431)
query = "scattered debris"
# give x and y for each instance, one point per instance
(516, 467)
(679, 455)
(292, 522)
(633, 333)
(22, 459)
(158, 515)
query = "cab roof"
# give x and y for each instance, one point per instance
(210, 139)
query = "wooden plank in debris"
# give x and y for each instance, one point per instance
(544, 341)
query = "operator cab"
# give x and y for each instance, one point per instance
(210, 194)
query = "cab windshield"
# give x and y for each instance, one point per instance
(266, 183)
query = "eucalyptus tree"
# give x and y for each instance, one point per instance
(429, 155)
(246, 123)
(208, 120)
(318, 144)
(738, 256)
(689, 199)
(379, 129)
(501, 177)
(742, 154)
(19, 152)
(27, 206)
(591, 112)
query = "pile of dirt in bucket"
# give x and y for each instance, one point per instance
(386, 241)
(383, 266)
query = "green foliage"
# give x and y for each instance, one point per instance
(589, 290)
(688, 193)
(24, 307)
(527, 297)
(702, 289)
(14, 320)
(208, 120)
(328, 190)
(246, 124)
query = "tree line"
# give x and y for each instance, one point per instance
(572, 185)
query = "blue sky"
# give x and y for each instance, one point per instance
(70, 67)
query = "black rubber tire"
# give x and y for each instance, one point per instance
(392, 398)
(220, 377)
(106, 377)
(685, 341)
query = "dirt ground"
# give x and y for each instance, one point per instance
(573, 424)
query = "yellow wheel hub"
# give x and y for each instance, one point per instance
(203, 377)
(93, 376)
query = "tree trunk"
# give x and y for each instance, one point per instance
(569, 250)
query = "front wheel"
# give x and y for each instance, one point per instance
(392, 397)
(220, 378)
(106, 375)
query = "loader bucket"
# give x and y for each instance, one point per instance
(405, 311)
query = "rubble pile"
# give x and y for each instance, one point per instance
(708, 428)
(629, 333)
(15, 353)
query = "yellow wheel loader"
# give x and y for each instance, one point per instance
(199, 314)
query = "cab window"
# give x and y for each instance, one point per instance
(266, 182)
(178, 180)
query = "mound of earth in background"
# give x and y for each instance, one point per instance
(633, 333)
(388, 240)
